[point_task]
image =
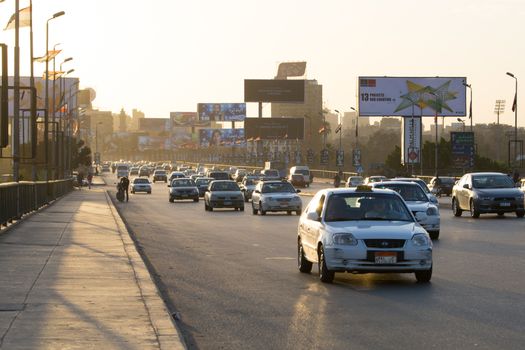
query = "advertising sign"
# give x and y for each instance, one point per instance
(323, 158)
(183, 119)
(154, 124)
(463, 150)
(411, 140)
(220, 112)
(339, 158)
(356, 158)
(146, 143)
(259, 90)
(221, 138)
(274, 128)
(402, 96)
(310, 156)
(182, 137)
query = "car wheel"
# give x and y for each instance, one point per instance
(455, 207)
(325, 275)
(501, 214)
(289, 212)
(520, 213)
(298, 212)
(241, 208)
(263, 212)
(473, 211)
(304, 265)
(434, 234)
(254, 211)
(171, 200)
(149, 192)
(424, 276)
(196, 200)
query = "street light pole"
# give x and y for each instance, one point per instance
(46, 113)
(462, 122)
(340, 131)
(515, 109)
(470, 106)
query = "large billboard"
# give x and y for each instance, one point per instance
(146, 143)
(183, 118)
(222, 138)
(411, 140)
(220, 112)
(154, 124)
(399, 96)
(274, 128)
(259, 90)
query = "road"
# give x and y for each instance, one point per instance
(232, 279)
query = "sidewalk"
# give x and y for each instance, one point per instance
(70, 277)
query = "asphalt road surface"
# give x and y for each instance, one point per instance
(232, 279)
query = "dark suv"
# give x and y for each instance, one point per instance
(219, 175)
(160, 175)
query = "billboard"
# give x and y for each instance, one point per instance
(411, 140)
(154, 124)
(183, 137)
(146, 143)
(221, 112)
(259, 90)
(274, 128)
(398, 96)
(221, 138)
(462, 149)
(183, 118)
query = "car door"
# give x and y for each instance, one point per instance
(463, 193)
(311, 227)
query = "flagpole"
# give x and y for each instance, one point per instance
(16, 96)
(33, 94)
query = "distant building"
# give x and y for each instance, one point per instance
(135, 116)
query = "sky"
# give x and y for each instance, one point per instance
(168, 55)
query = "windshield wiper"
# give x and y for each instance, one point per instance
(341, 219)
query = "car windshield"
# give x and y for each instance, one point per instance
(492, 181)
(201, 182)
(140, 181)
(302, 171)
(359, 206)
(183, 183)
(160, 172)
(225, 186)
(271, 173)
(277, 187)
(409, 192)
(447, 180)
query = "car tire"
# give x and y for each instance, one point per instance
(325, 275)
(263, 212)
(423, 276)
(501, 214)
(241, 208)
(149, 192)
(196, 200)
(473, 211)
(289, 212)
(298, 212)
(520, 213)
(304, 265)
(455, 207)
(171, 200)
(434, 234)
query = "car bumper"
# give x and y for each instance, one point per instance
(142, 189)
(160, 178)
(227, 204)
(432, 223)
(357, 259)
(499, 207)
(279, 207)
(184, 196)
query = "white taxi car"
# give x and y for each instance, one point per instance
(362, 230)
(418, 202)
(140, 184)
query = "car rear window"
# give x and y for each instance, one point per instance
(140, 181)
(277, 187)
(219, 175)
(225, 186)
(183, 183)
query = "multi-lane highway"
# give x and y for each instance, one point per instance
(232, 279)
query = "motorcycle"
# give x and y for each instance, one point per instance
(120, 193)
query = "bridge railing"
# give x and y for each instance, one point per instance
(20, 198)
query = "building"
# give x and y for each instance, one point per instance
(96, 124)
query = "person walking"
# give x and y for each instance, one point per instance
(337, 179)
(80, 179)
(124, 182)
(89, 180)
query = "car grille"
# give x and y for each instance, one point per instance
(506, 199)
(384, 243)
(227, 198)
(283, 199)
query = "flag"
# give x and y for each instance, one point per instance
(338, 128)
(24, 19)
(321, 130)
(50, 55)
(515, 103)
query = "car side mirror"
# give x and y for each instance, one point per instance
(313, 216)
(257, 191)
(466, 186)
(298, 191)
(420, 216)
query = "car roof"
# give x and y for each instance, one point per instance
(355, 190)
(486, 173)
(393, 182)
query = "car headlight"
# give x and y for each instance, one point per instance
(519, 198)
(344, 239)
(420, 240)
(432, 211)
(296, 198)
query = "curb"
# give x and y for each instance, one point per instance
(158, 313)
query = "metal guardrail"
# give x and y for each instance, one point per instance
(17, 199)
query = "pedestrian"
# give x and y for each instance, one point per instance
(89, 180)
(124, 182)
(80, 178)
(337, 179)
(516, 178)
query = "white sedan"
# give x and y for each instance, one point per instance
(362, 230)
(418, 202)
(140, 184)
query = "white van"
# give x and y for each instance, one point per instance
(122, 170)
(301, 170)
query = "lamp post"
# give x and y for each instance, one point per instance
(46, 114)
(515, 109)
(462, 122)
(340, 131)
(96, 138)
(65, 151)
(470, 106)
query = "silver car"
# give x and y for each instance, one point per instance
(183, 189)
(140, 185)
(481, 193)
(223, 194)
(276, 196)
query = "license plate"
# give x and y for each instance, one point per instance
(227, 203)
(385, 257)
(504, 204)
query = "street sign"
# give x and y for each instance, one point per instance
(310, 156)
(356, 157)
(463, 149)
(323, 159)
(411, 140)
(340, 158)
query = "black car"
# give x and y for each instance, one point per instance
(202, 184)
(160, 175)
(442, 185)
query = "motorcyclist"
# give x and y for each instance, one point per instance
(124, 183)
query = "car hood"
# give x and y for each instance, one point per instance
(280, 195)
(377, 229)
(494, 192)
(418, 205)
(226, 193)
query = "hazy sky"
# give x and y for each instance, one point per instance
(168, 55)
